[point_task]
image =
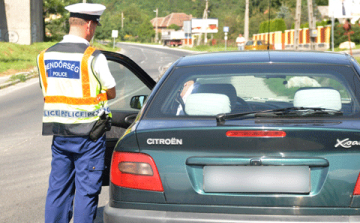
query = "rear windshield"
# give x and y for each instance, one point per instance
(211, 90)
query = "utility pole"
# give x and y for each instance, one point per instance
(205, 16)
(122, 20)
(84, 1)
(246, 28)
(312, 26)
(156, 26)
(297, 24)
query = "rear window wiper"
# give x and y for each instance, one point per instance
(298, 111)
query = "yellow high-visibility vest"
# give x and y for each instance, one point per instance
(73, 96)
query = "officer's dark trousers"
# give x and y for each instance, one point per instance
(75, 179)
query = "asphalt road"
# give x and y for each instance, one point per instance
(25, 154)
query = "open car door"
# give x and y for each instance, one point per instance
(131, 80)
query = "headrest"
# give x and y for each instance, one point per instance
(327, 98)
(226, 89)
(207, 104)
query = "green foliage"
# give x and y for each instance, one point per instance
(279, 25)
(284, 12)
(145, 31)
(304, 25)
(277, 85)
(56, 28)
(340, 35)
(16, 57)
(358, 59)
(208, 48)
(275, 25)
(323, 23)
(136, 24)
(175, 27)
(322, 2)
(264, 27)
(20, 77)
(230, 13)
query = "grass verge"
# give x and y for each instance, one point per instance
(20, 77)
(15, 58)
(206, 48)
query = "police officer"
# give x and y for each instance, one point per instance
(76, 84)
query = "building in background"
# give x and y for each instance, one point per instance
(21, 21)
(174, 18)
(345, 9)
(209, 25)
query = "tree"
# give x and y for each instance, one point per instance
(322, 2)
(279, 25)
(145, 31)
(229, 12)
(56, 28)
(339, 34)
(275, 25)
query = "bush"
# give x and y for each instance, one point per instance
(275, 25)
(21, 77)
(174, 27)
(339, 34)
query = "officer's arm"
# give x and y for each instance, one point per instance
(102, 70)
(111, 93)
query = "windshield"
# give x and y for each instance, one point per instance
(232, 89)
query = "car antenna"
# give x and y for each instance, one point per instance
(268, 44)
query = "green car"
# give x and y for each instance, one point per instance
(260, 136)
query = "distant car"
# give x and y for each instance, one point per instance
(258, 45)
(260, 136)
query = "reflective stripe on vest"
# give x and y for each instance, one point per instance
(42, 71)
(75, 110)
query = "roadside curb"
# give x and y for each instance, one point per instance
(29, 75)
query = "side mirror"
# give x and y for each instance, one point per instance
(137, 101)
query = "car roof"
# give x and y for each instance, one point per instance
(272, 56)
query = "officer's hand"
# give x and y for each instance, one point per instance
(111, 93)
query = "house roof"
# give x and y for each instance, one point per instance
(173, 18)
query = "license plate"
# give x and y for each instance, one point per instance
(257, 179)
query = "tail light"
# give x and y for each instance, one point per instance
(357, 187)
(256, 133)
(135, 171)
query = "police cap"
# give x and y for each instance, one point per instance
(87, 11)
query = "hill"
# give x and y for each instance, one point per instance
(229, 12)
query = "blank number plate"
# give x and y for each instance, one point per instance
(257, 179)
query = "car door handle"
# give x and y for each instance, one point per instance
(130, 119)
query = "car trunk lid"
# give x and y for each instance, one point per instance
(310, 166)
